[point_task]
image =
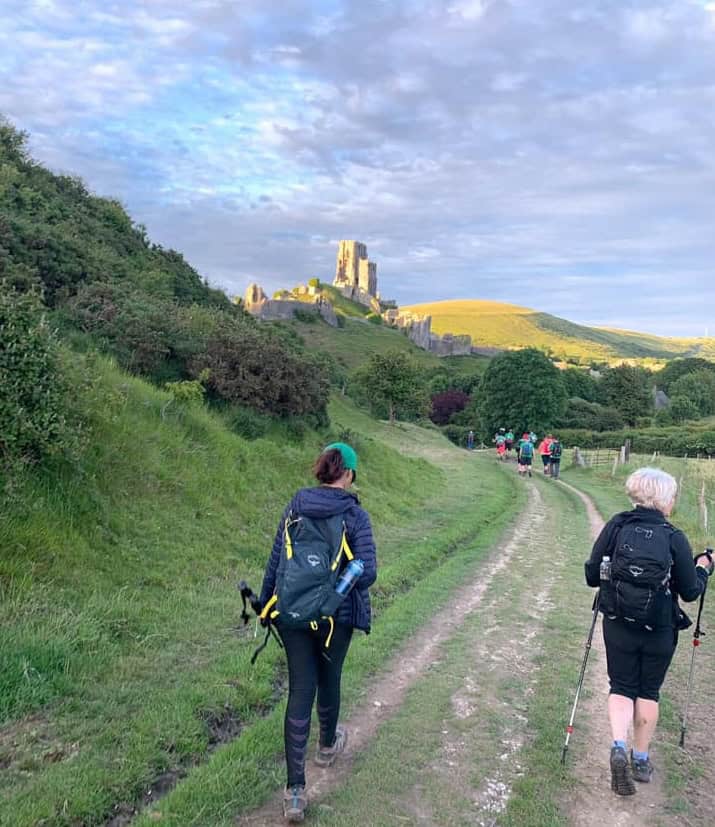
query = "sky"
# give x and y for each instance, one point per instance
(557, 154)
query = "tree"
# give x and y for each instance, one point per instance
(628, 389)
(590, 415)
(670, 374)
(446, 404)
(697, 387)
(581, 385)
(392, 385)
(523, 390)
(682, 408)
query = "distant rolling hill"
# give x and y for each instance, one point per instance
(508, 326)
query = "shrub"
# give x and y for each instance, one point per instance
(590, 416)
(446, 404)
(248, 366)
(374, 318)
(314, 283)
(34, 394)
(673, 441)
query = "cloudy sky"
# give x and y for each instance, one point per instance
(559, 154)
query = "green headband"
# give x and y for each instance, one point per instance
(350, 460)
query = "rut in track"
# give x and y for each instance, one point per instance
(593, 804)
(390, 688)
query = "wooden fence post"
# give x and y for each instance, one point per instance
(703, 508)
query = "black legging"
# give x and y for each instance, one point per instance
(309, 669)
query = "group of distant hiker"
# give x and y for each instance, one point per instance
(315, 594)
(549, 449)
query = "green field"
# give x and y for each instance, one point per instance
(508, 326)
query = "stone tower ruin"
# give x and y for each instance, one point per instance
(354, 271)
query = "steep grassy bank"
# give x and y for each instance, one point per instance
(121, 656)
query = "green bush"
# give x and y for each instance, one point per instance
(672, 441)
(34, 393)
(374, 318)
(590, 416)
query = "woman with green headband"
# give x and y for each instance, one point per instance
(313, 668)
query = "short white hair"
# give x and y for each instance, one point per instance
(652, 488)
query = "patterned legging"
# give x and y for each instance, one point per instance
(310, 670)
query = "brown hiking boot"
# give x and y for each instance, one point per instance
(621, 775)
(325, 756)
(294, 803)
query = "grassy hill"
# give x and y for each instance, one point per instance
(508, 326)
(352, 344)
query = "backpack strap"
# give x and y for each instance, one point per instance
(344, 549)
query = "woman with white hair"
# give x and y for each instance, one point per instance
(642, 565)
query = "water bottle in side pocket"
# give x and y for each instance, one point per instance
(352, 573)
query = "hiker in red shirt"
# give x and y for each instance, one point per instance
(545, 451)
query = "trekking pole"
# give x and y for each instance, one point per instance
(697, 634)
(248, 596)
(589, 640)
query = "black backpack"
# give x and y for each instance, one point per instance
(315, 552)
(555, 450)
(638, 591)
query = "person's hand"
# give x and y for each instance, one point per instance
(705, 562)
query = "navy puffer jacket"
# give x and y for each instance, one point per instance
(319, 503)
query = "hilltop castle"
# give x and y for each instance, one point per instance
(355, 278)
(355, 274)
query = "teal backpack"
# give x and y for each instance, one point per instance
(527, 449)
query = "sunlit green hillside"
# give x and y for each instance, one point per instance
(499, 325)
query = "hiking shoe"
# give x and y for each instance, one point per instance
(642, 769)
(294, 803)
(621, 775)
(325, 756)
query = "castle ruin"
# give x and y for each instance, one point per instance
(355, 274)
(356, 278)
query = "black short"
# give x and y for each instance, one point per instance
(525, 460)
(546, 459)
(637, 659)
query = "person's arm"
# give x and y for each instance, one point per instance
(269, 578)
(689, 580)
(600, 547)
(362, 544)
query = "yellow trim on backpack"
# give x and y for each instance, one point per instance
(313, 625)
(288, 542)
(344, 547)
(264, 612)
(274, 615)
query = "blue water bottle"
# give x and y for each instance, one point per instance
(353, 572)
